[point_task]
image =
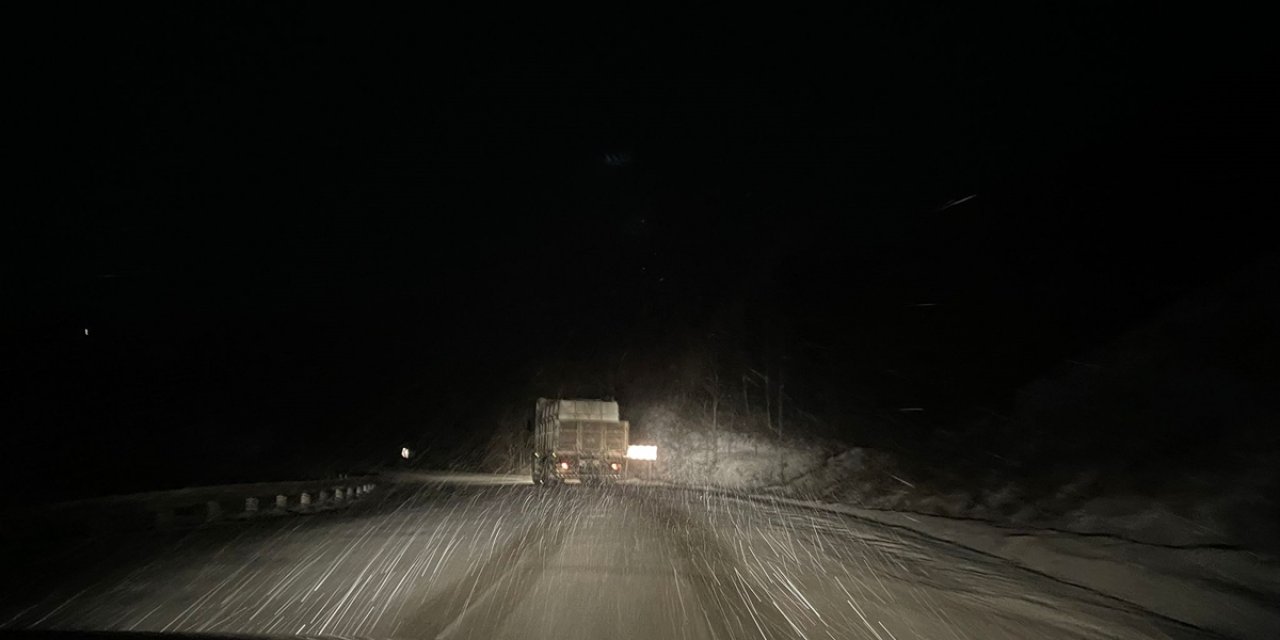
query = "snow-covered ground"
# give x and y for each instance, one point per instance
(1135, 549)
(734, 460)
(875, 480)
(461, 556)
(1230, 591)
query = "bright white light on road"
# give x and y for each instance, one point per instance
(642, 452)
(404, 452)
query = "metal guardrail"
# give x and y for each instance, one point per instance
(204, 505)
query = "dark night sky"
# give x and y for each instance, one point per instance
(284, 226)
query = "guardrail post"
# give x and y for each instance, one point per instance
(282, 502)
(212, 511)
(304, 500)
(324, 496)
(339, 494)
(250, 505)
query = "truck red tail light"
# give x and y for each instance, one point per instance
(615, 466)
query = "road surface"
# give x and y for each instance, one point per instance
(500, 558)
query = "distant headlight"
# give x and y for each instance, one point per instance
(642, 452)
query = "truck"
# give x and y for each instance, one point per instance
(582, 440)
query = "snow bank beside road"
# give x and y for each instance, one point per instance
(735, 460)
(1227, 591)
(1160, 556)
(875, 480)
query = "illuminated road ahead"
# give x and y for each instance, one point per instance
(504, 559)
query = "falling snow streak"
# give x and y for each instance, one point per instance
(516, 561)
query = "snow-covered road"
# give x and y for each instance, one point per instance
(453, 557)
